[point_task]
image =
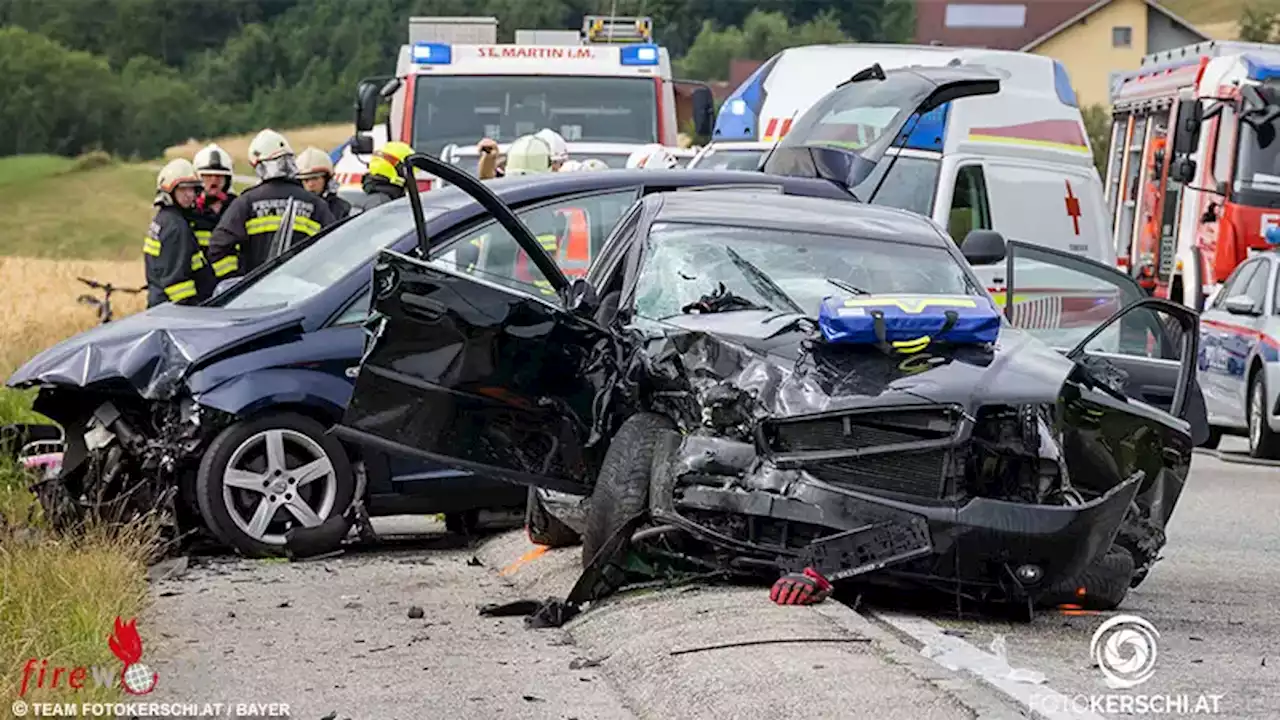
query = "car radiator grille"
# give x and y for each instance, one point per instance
(918, 473)
(913, 472)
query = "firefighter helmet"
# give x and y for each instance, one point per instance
(386, 159)
(570, 166)
(314, 162)
(593, 164)
(527, 155)
(652, 157)
(555, 142)
(213, 160)
(268, 145)
(175, 174)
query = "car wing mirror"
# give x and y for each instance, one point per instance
(581, 298)
(1241, 305)
(983, 247)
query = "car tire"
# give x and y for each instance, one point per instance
(1214, 439)
(243, 448)
(1102, 586)
(622, 488)
(1264, 443)
(543, 528)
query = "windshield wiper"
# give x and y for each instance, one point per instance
(847, 287)
(762, 282)
(722, 300)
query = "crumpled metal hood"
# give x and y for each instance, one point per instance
(151, 351)
(717, 358)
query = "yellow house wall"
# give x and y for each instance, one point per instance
(1085, 49)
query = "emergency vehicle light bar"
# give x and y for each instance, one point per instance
(602, 29)
(429, 53)
(638, 54)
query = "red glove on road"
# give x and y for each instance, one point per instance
(804, 588)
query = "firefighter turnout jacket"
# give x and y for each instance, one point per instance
(205, 215)
(242, 239)
(339, 207)
(177, 270)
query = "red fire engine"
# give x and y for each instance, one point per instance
(1193, 180)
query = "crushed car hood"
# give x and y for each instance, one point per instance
(150, 351)
(722, 358)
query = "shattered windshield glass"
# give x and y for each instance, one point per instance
(768, 269)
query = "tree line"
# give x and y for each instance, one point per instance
(132, 77)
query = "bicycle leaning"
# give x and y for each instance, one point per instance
(105, 312)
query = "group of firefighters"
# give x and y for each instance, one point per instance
(203, 233)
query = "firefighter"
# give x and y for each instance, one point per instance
(383, 182)
(593, 164)
(242, 240)
(177, 270)
(315, 170)
(530, 154)
(559, 148)
(652, 157)
(216, 170)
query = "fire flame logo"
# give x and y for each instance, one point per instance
(135, 678)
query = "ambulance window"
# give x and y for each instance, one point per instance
(1224, 143)
(969, 207)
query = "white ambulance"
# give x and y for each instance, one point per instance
(1014, 158)
(454, 84)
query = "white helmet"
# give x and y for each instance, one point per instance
(177, 173)
(652, 157)
(570, 166)
(559, 148)
(268, 145)
(593, 164)
(528, 154)
(213, 160)
(314, 162)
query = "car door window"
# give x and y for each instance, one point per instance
(571, 229)
(1257, 287)
(1146, 353)
(1235, 284)
(357, 311)
(1059, 297)
(969, 207)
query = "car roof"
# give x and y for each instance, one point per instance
(791, 212)
(525, 188)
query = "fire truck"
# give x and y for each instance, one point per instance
(1193, 178)
(455, 84)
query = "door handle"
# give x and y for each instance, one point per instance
(422, 307)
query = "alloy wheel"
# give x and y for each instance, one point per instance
(275, 480)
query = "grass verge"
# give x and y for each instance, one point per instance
(59, 596)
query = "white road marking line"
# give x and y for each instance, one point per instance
(954, 653)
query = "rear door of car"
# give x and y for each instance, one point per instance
(480, 368)
(1229, 339)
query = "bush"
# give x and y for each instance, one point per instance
(92, 160)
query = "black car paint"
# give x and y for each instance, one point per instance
(551, 385)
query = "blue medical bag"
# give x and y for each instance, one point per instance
(909, 323)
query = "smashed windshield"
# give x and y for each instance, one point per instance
(770, 269)
(331, 257)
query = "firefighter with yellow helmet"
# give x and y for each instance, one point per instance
(315, 170)
(242, 240)
(177, 270)
(383, 183)
(216, 170)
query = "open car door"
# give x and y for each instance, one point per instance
(481, 372)
(844, 136)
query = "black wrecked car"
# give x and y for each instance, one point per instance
(706, 394)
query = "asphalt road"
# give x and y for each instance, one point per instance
(1212, 599)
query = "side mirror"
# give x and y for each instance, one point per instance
(983, 247)
(1187, 135)
(366, 106)
(1183, 170)
(361, 144)
(1241, 305)
(581, 298)
(704, 111)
